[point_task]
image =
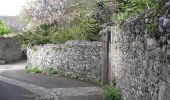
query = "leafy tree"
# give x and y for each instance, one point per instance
(55, 12)
(62, 20)
(4, 29)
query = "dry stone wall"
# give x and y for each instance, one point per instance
(10, 49)
(141, 55)
(78, 59)
(140, 65)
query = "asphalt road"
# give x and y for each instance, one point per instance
(44, 80)
(81, 98)
(11, 92)
(50, 82)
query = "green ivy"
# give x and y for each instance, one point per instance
(128, 8)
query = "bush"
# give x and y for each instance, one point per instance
(79, 22)
(40, 35)
(81, 29)
(111, 93)
(4, 29)
(33, 70)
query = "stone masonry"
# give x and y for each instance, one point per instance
(141, 55)
(78, 59)
(10, 49)
(141, 67)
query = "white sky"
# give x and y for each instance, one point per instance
(11, 7)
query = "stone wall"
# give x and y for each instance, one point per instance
(78, 59)
(10, 49)
(141, 66)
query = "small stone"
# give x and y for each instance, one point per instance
(151, 42)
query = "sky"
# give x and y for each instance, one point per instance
(11, 7)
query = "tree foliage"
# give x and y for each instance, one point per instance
(55, 12)
(62, 20)
(4, 29)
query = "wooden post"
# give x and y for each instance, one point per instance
(110, 75)
(105, 59)
(106, 54)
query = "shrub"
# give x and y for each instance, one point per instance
(81, 29)
(79, 21)
(4, 29)
(40, 35)
(111, 93)
(33, 70)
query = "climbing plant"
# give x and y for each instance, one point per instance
(124, 9)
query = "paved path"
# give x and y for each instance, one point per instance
(44, 80)
(49, 87)
(12, 92)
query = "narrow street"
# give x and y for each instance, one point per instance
(11, 92)
(16, 84)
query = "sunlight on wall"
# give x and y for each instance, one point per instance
(11, 7)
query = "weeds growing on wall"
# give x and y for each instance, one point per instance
(111, 93)
(52, 71)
